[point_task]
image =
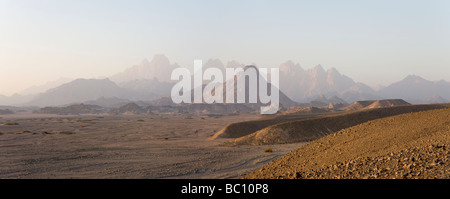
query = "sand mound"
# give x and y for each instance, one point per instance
(235, 130)
(370, 104)
(387, 103)
(311, 129)
(413, 145)
(239, 129)
(303, 110)
(358, 105)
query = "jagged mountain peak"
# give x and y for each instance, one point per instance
(414, 78)
(416, 89)
(234, 64)
(160, 58)
(321, 98)
(159, 67)
(213, 63)
(144, 62)
(333, 71)
(290, 68)
(304, 86)
(230, 86)
(318, 69)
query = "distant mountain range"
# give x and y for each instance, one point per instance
(307, 85)
(102, 92)
(417, 90)
(15, 99)
(230, 86)
(150, 80)
(44, 87)
(79, 90)
(158, 68)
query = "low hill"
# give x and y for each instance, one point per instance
(417, 90)
(239, 129)
(412, 145)
(78, 91)
(303, 110)
(369, 104)
(130, 108)
(72, 110)
(218, 108)
(108, 102)
(5, 112)
(311, 129)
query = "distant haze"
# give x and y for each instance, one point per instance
(376, 42)
(150, 82)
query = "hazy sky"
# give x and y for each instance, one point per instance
(374, 42)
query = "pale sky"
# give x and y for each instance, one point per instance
(374, 42)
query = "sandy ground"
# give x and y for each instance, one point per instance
(127, 146)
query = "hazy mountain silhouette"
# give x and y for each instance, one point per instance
(214, 63)
(147, 89)
(151, 80)
(305, 85)
(102, 92)
(415, 89)
(285, 101)
(79, 90)
(15, 99)
(33, 90)
(107, 102)
(29, 93)
(159, 67)
(234, 64)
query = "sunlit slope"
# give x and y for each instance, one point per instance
(311, 129)
(413, 145)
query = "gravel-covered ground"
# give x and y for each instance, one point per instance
(417, 163)
(413, 145)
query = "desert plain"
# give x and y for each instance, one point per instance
(125, 146)
(376, 139)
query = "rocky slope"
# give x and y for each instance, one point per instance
(311, 129)
(413, 145)
(370, 104)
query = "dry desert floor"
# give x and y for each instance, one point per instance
(125, 146)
